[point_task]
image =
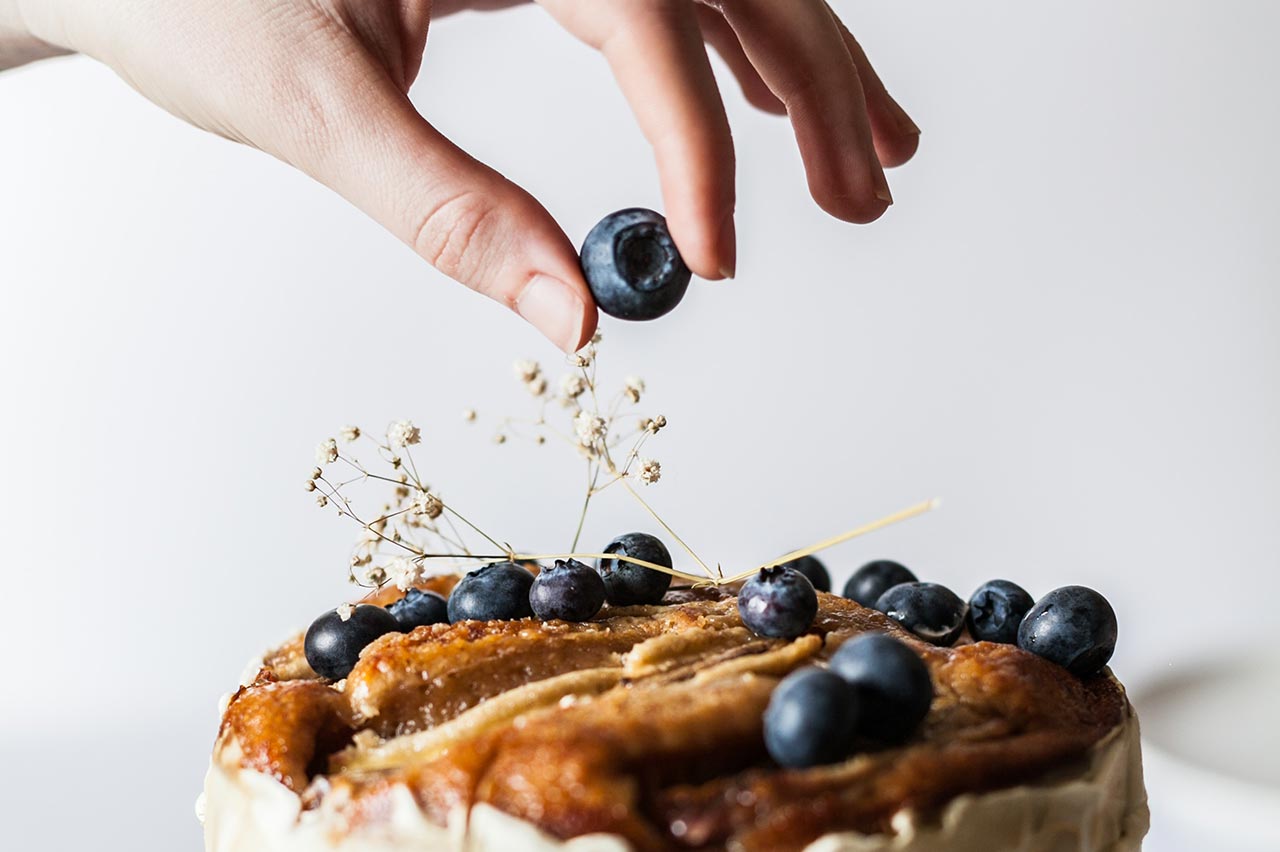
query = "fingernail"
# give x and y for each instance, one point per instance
(882, 192)
(728, 247)
(555, 309)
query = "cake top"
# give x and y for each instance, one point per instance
(648, 722)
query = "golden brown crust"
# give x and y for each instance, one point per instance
(666, 753)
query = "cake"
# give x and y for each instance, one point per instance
(641, 729)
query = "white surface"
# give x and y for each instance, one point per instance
(1067, 327)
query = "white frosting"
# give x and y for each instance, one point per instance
(1100, 808)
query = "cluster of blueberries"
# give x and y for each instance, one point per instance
(502, 591)
(876, 690)
(1073, 626)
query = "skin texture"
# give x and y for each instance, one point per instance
(322, 85)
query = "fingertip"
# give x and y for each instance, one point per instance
(561, 311)
(896, 151)
(708, 247)
(896, 136)
(859, 208)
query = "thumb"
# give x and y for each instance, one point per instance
(461, 216)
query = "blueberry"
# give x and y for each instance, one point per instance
(996, 610)
(497, 592)
(892, 684)
(418, 608)
(632, 265)
(810, 719)
(872, 580)
(778, 602)
(333, 646)
(812, 567)
(932, 612)
(626, 584)
(1074, 627)
(568, 590)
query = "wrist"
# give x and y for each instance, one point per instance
(19, 43)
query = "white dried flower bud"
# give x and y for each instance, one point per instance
(311, 485)
(375, 575)
(322, 500)
(404, 572)
(597, 337)
(650, 471)
(345, 611)
(316, 473)
(428, 504)
(469, 415)
(327, 451)
(349, 433)
(572, 385)
(590, 427)
(499, 438)
(361, 558)
(656, 424)
(403, 433)
(540, 440)
(580, 359)
(633, 387)
(527, 371)
(537, 386)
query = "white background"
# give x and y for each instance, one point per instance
(1066, 327)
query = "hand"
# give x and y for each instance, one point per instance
(322, 84)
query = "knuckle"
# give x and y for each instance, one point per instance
(457, 236)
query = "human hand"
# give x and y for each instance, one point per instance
(322, 85)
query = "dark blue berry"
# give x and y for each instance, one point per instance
(497, 592)
(418, 608)
(1074, 627)
(810, 719)
(932, 612)
(872, 580)
(892, 684)
(627, 584)
(632, 265)
(333, 646)
(779, 602)
(996, 610)
(568, 590)
(812, 567)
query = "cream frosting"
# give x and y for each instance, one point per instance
(1099, 806)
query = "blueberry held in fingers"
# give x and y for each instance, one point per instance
(497, 592)
(628, 584)
(418, 608)
(892, 683)
(930, 611)
(812, 567)
(778, 602)
(334, 640)
(872, 580)
(810, 719)
(995, 611)
(568, 591)
(632, 265)
(1074, 627)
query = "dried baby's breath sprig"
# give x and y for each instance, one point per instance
(418, 526)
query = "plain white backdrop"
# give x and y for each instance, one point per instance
(1066, 327)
